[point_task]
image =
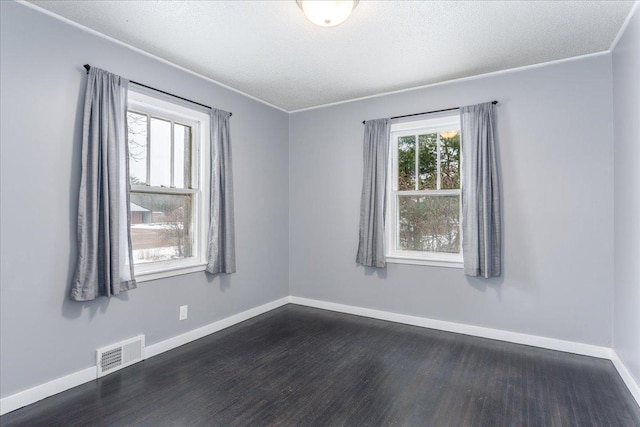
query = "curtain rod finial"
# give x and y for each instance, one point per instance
(87, 67)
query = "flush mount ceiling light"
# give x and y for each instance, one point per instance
(327, 13)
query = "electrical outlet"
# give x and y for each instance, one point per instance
(183, 311)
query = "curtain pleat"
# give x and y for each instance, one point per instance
(481, 221)
(374, 186)
(105, 264)
(221, 256)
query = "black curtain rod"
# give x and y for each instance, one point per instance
(88, 67)
(427, 112)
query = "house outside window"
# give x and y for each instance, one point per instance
(424, 192)
(168, 157)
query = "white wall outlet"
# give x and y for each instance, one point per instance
(183, 311)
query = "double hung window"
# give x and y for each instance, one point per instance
(424, 194)
(168, 158)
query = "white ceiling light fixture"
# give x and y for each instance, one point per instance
(327, 13)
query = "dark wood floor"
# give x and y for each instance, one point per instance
(297, 366)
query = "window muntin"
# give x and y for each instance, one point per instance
(137, 137)
(167, 163)
(424, 197)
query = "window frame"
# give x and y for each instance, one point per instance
(434, 123)
(142, 102)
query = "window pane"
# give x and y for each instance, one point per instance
(137, 135)
(161, 227)
(160, 152)
(428, 166)
(182, 156)
(450, 160)
(429, 223)
(406, 163)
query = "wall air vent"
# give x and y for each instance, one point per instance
(117, 356)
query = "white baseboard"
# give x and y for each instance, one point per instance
(628, 379)
(187, 337)
(479, 331)
(460, 328)
(42, 391)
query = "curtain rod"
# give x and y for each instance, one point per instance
(428, 112)
(88, 67)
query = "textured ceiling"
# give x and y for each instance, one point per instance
(269, 50)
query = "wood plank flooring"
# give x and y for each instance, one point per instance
(298, 366)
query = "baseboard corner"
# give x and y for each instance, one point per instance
(626, 376)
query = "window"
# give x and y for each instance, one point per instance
(424, 199)
(168, 158)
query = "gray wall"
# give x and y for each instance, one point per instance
(44, 335)
(556, 150)
(626, 110)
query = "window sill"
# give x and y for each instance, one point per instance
(427, 262)
(162, 273)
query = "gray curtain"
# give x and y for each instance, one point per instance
(374, 187)
(221, 255)
(105, 264)
(481, 223)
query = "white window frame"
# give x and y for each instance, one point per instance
(139, 101)
(432, 124)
